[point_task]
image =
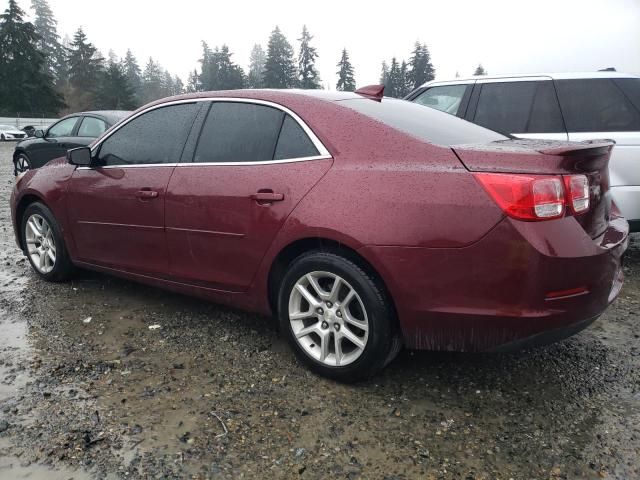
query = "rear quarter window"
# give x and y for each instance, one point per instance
(597, 105)
(423, 123)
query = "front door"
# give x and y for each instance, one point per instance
(252, 165)
(117, 207)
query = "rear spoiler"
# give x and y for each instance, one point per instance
(597, 147)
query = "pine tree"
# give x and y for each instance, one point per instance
(167, 84)
(480, 70)
(152, 82)
(116, 93)
(49, 42)
(346, 80)
(421, 68)
(25, 83)
(394, 86)
(257, 61)
(86, 66)
(280, 70)
(178, 86)
(308, 76)
(384, 75)
(405, 83)
(133, 74)
(218, 70)
(193, 83)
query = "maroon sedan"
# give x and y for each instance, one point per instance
(363, 223)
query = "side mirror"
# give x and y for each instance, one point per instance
(80, 156)
(39, 133)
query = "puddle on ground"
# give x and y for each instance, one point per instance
(14, 350)
(10, 468)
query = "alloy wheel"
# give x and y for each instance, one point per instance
(40, 242)
(328, 318)
(22, 164)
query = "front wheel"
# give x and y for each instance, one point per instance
(44, 244)
(21, 163)
(336, 317)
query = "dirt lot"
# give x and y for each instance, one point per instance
(215, 393)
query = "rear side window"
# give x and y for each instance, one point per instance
(426, 124)
(157, 136)
(293, 142)
(519, 107)
(596, 105)
(91, 127)
(446, 98)
(239, 132)
(631, 89)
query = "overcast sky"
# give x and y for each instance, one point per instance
(505, 36)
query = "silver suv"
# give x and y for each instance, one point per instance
(557, 106)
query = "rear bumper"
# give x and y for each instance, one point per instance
(627, 198)
(494, 293)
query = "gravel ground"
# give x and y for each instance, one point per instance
(89, 390)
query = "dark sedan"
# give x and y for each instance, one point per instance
(76, 130)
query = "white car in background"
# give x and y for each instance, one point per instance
(556, 106)
(7, 132)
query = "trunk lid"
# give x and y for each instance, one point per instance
(548, 157)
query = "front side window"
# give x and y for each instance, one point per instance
(155, 137)
(597, 105)
(91, 127)
(239, 132)
(446, 98)
(63, 128)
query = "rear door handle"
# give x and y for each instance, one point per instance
(267, 197)
(146, 194)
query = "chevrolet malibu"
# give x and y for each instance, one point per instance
(364, 223)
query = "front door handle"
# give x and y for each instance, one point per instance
(146, 194)
(267, 196)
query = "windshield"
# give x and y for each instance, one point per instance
(424, 123)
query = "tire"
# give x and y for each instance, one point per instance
(352, 352)
(21, 164)
(41, 235)
(2, 138)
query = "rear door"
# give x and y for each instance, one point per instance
(117, 208)
(607, 108)
(524, 107)
(252, 164)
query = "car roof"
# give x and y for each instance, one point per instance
(554, 76)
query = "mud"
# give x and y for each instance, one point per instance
(215, 393)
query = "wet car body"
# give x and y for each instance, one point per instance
(462, 275)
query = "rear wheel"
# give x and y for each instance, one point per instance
(44, 244)
(336, 317)
(2, 137)
(21, 163)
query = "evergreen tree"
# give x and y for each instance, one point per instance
(49, 42)
(307, 74)
(257, 61)
(178, 86)
(218, 70)
(152, 82)
(116, 93)
(384, 75)
(25, 83)
(86, 67)
(395, 81)
(405, 83)
(167, 84)
(193, 83)
(346, 80)
(480, 70)
(279, 70)
(421, 68)
(132, 72)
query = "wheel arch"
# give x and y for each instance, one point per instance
(321, 244)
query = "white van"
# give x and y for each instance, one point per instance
(557, 106)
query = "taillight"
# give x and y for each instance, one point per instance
(536, 197)
(577, 187)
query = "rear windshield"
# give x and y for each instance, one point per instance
(422, 122)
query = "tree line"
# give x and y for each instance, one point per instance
(39, 72)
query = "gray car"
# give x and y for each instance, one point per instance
(557, 106)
